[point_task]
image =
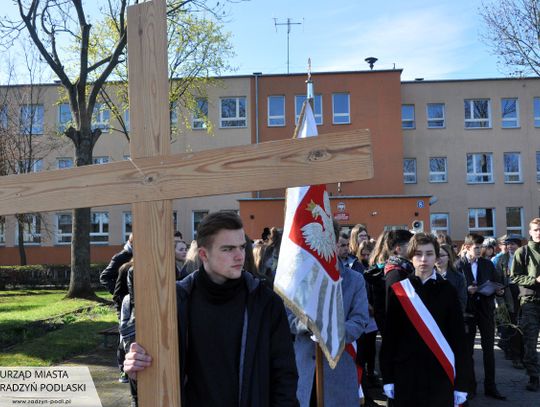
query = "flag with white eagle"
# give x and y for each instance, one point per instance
(307, 275)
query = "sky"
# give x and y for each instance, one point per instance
(427, 39)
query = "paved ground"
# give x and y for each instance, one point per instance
(511, 382)
(102, 365)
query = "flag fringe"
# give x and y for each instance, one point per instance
(306, 320)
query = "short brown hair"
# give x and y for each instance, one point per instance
(472, 239)
(420, 239)
(535, 221)
(213, 223)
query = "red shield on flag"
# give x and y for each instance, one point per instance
(311, 210)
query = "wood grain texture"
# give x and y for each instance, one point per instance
(337, 157)
(154, 269)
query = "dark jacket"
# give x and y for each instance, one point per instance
(477, 304)
(458, 282)
(109, 275)
(269, 375)
(406, 360)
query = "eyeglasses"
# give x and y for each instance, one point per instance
(344, 245)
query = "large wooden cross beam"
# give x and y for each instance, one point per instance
(154, 177)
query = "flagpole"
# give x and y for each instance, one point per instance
(319, 375)
(319, 369)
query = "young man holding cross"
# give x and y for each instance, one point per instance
(235, 345)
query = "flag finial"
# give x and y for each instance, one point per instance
(310, 91)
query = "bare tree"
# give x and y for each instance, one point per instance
(83, 55)
(513, 33)
(24, 141)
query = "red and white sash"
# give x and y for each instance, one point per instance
(423, 322)
(350, 348)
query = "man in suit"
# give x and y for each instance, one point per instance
(480, 311)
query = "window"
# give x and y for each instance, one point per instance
(509, 113)
(101, 117)
(197, 217)
(435, 115)
(3, 117)
(63, 228)
(341, 108)
(512, 168)
(538, 166)
(99, 229)
(31, 229)
(409, 171)
(31, 119)
(407, 117)
(536, 106)
(439, 223)
(317, 108)
(25, 166)
(233, 112)
(200, 114)
(514, 221)
(126, 119)
(175, 220)
(482, 221)
(438, 170)
(2, 229)
(173, 115)
(479, 168)
(477, 113)
(127, 225)
(276, 111)
(64, 116)
(100, 160)
(64, 163)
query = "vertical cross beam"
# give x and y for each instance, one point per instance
(154, 271)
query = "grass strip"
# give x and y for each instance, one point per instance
(77, 337)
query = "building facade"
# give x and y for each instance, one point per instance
(456, 156)
(37, 112)
(474, 145)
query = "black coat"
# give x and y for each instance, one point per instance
(479, 305)
(109, 275)
(406, 360)
(270, 377)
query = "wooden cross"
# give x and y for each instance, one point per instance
(153, 177)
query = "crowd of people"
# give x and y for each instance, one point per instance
(421, 294)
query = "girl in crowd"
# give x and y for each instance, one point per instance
(447, 269)
(180, 252)
(424, 368)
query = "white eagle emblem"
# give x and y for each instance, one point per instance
(320, 238)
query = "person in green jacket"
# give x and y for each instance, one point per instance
(525, 273)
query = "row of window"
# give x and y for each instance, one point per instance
(481, 221)
(341, 109)
(233, 114)
(477, 114)
(479, 169)
(99, 231)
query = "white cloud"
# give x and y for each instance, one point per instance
(426, 42)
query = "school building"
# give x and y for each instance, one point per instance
(454, 156)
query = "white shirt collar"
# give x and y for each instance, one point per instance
(433, 276)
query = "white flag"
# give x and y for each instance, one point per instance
(307, 275)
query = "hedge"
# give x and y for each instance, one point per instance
(43, 276)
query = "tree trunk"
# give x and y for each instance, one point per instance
(20, 242)
(79, 282)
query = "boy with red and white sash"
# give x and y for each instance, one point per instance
(423, 354)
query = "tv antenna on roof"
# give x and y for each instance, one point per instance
(288, 23)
